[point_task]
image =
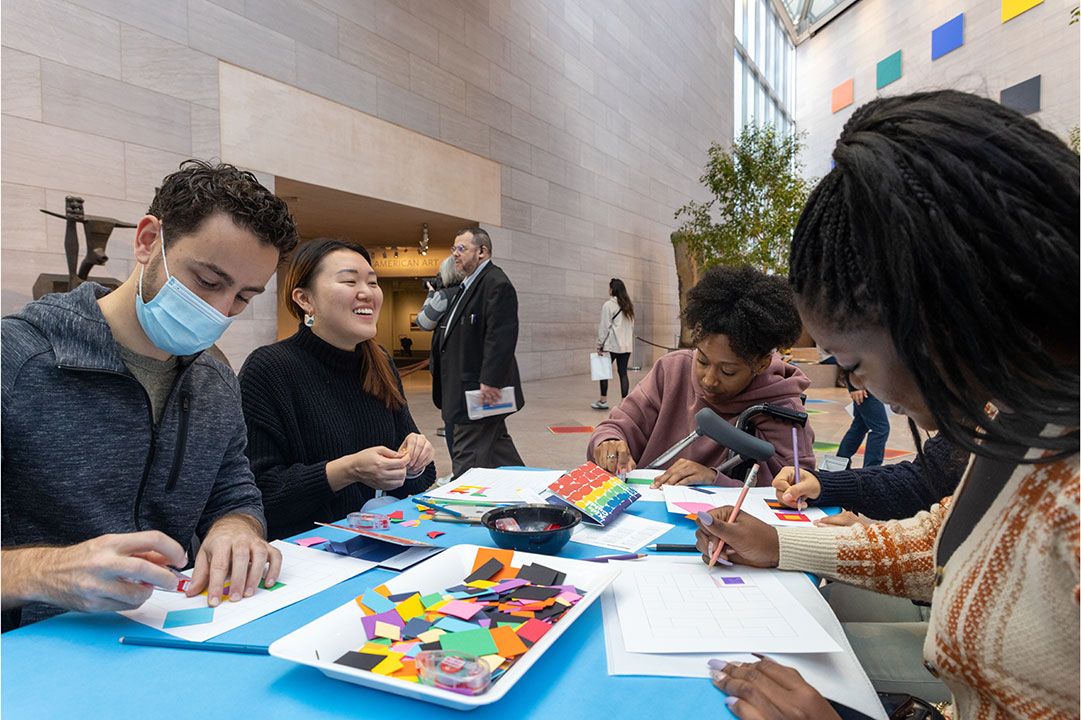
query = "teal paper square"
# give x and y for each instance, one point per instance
(183, 618)
(888, 70)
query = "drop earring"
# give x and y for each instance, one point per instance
(309, 320)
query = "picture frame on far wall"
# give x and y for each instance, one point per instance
(413, 322)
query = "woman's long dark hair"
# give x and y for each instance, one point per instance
(952, 221)
(380, 380)
(619, 292)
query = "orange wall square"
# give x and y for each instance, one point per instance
(842, 95)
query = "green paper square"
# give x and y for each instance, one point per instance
(275, 586)
(383, 641)
(888, 70)
(476, 642)
(428, 600)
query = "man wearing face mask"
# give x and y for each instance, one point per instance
(122, 440)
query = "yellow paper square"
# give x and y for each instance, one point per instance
(1013, 8)
(493, 661)
(391, 663)
(375, 649)
(410, 608)
(430, 635)
(388, 631)
(482, 584)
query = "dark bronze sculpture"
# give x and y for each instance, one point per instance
(97, 230)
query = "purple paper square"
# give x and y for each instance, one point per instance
(732, 581)
(390, 616)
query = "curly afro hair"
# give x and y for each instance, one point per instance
(757, 312)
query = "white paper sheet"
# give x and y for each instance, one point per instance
(648, 494)
(754, 504)
(491, 485)
(476, 409)
(668, 606)
(304, 573)
(627, 533)
(838, 676)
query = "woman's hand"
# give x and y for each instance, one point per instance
(419, 452)
(686, 472)
(747, 541)
(808, 487)
(842, 520)
(380, 468)
(766, 690)
(614, 456)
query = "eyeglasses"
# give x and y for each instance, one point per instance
(458, 249)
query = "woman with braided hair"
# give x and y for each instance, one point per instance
(938, 262)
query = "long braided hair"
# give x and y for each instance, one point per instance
(952, 221)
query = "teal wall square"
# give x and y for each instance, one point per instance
(888, 70)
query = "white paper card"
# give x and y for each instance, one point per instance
(648, 494)
(627, 533)
(667, 607)
(600, 366)
(476, 409)
(754, 504)
(304, 573)
(487, 485)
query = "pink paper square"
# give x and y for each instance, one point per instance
(694, 507)
(460, 609)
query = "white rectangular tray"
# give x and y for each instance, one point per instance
(324, 640)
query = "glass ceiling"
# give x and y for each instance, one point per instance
(807, 16)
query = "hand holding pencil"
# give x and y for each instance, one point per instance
(748, 540)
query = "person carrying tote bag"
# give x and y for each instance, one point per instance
(615, 335)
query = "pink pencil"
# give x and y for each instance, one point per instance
(795, 461)
(751, 475)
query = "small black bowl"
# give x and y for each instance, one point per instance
(533, 519)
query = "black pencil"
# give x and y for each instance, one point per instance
(672, 548)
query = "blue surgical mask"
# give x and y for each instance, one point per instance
(177, 320)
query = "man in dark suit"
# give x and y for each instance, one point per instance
(473, 349)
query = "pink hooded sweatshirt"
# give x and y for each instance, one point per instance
(661, 408)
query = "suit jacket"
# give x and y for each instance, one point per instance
(478, 347)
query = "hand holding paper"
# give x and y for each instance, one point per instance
(748, 540)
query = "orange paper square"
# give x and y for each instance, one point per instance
(507, 641)
(503, 556)
(842, 95)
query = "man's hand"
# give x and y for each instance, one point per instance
(418, 453)
(686, 472)
(747, 541)
(766, 690)
(111, 572)
(614, 456)
(234, 549)
(490, 395)
(858, 396)
(808, 487)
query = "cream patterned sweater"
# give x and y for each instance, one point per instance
(1004, 628)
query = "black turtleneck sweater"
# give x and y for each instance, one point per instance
(304, 405)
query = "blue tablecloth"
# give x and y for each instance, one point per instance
(72, 665)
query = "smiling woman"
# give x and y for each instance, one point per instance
(328, 426)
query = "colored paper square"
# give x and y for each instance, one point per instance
(1024, 97)
(396, 515)
(775, 504)
(454, 625)
(369, 621)
(411, 523)
(460, 609)
(308, 542)
(842, 96)
(694, 507)
(391, 663)
(434, 534)
(825, 446)
(273, 587)
(948, 36)
(360, 661)
(416, 626)
(1013, 8)
(793, 517)
(376, 602)
(733, 581)
(533, 630)
(432, 635)
(476, 642)
(194, 616)
(503, 556)
(388, 631)
(410, 608)
(429, 600)
(493, 661)
(485, 571)
(888, 70)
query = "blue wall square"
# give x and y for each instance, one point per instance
(948, 36)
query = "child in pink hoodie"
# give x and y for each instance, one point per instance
(739, 317)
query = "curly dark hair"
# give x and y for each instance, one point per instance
(198, 189)
(756, 312)
(952, 221)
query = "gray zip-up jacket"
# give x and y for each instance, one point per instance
(81, 453)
